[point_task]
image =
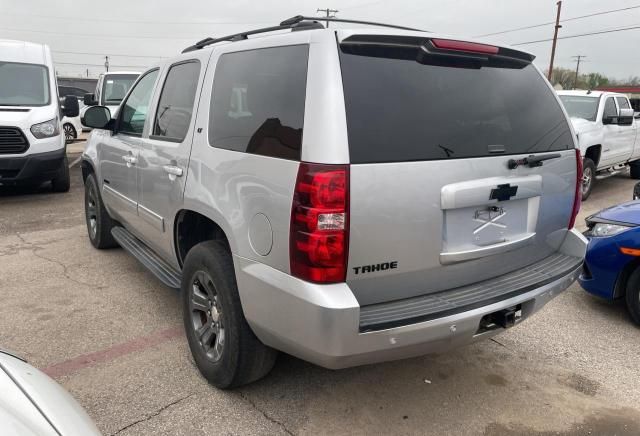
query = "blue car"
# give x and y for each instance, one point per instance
(612, 263)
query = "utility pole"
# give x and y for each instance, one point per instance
(555, 40)
(578, 59)
(331, 13)
(106, 63)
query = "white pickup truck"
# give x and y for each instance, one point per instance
(607, 133)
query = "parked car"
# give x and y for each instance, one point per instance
(612, 264)
(32, 404)
(32, 147)
(383, 197)
(111, 89)
(71, 126)
(607, 133)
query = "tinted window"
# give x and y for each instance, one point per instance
(176, 101)
(115, 87)
(23, 84)
(403, 110)
(623, 103)
(610, 108)
(258, 101)
(134, 110)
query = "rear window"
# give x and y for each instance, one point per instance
(258, 101)
(403, 110)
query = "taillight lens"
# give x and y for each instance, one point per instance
(577, 199)
(469, 47)
(319, 234)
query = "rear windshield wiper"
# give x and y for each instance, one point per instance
(531, 161)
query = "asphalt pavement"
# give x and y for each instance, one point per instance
(111, 334)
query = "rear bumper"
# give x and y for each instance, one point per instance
(31, 168)
(321, 323)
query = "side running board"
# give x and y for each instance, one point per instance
(161, 269)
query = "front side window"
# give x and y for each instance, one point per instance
(610, 108)
(176, 102)
(115, 87)
(24, 84)
(581, 107)
(258, 101)
(134, 110)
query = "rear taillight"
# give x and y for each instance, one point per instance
(319, 233)
(577, 199)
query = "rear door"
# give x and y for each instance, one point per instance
(434, 202)
(164, 152)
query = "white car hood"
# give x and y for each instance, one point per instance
(33, 403)
(25, 117)
(580, 125)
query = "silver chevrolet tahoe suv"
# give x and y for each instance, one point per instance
(347, 196)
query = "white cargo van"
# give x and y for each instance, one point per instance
(111, 88)
(32, 146)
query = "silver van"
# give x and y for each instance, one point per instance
(346, 196)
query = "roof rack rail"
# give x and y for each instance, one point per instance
(299, 18)
(298, 22)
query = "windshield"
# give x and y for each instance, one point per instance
(23, 84)
(115, 87)
(581, 107)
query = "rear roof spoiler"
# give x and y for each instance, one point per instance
(419, 47)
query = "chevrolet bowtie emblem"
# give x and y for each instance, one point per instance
(503, 192)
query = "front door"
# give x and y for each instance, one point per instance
(164, 153)
(118, 153)
(612, 149)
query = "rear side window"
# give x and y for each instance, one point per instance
(176, 102)
(623, 103)
(258, 101)
(402, 110)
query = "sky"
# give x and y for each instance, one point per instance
(137, 33)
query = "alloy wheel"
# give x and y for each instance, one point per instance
(69, 133)
(587, 179)
(92, 212)
(207, 318)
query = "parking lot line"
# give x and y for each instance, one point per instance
(143, 342)
(75, 161)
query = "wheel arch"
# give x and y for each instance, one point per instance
(594, 152)
(623, 278)
(191, 227)
(87, 168)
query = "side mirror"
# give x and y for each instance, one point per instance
(89, 100)
(625, 117)
(97, 117)
(70, 107)
(636, 191)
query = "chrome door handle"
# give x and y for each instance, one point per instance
(130, 160)
(173, 171)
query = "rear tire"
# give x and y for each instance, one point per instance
(588, 177)
(632, 296)
(225, 349)
(634, 170)
(99, 223)
(62, 183)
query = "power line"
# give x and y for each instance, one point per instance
(102, 35)
(562, 21)
(580, 35)
(113, 54)
(106, 20)
(101, 65)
